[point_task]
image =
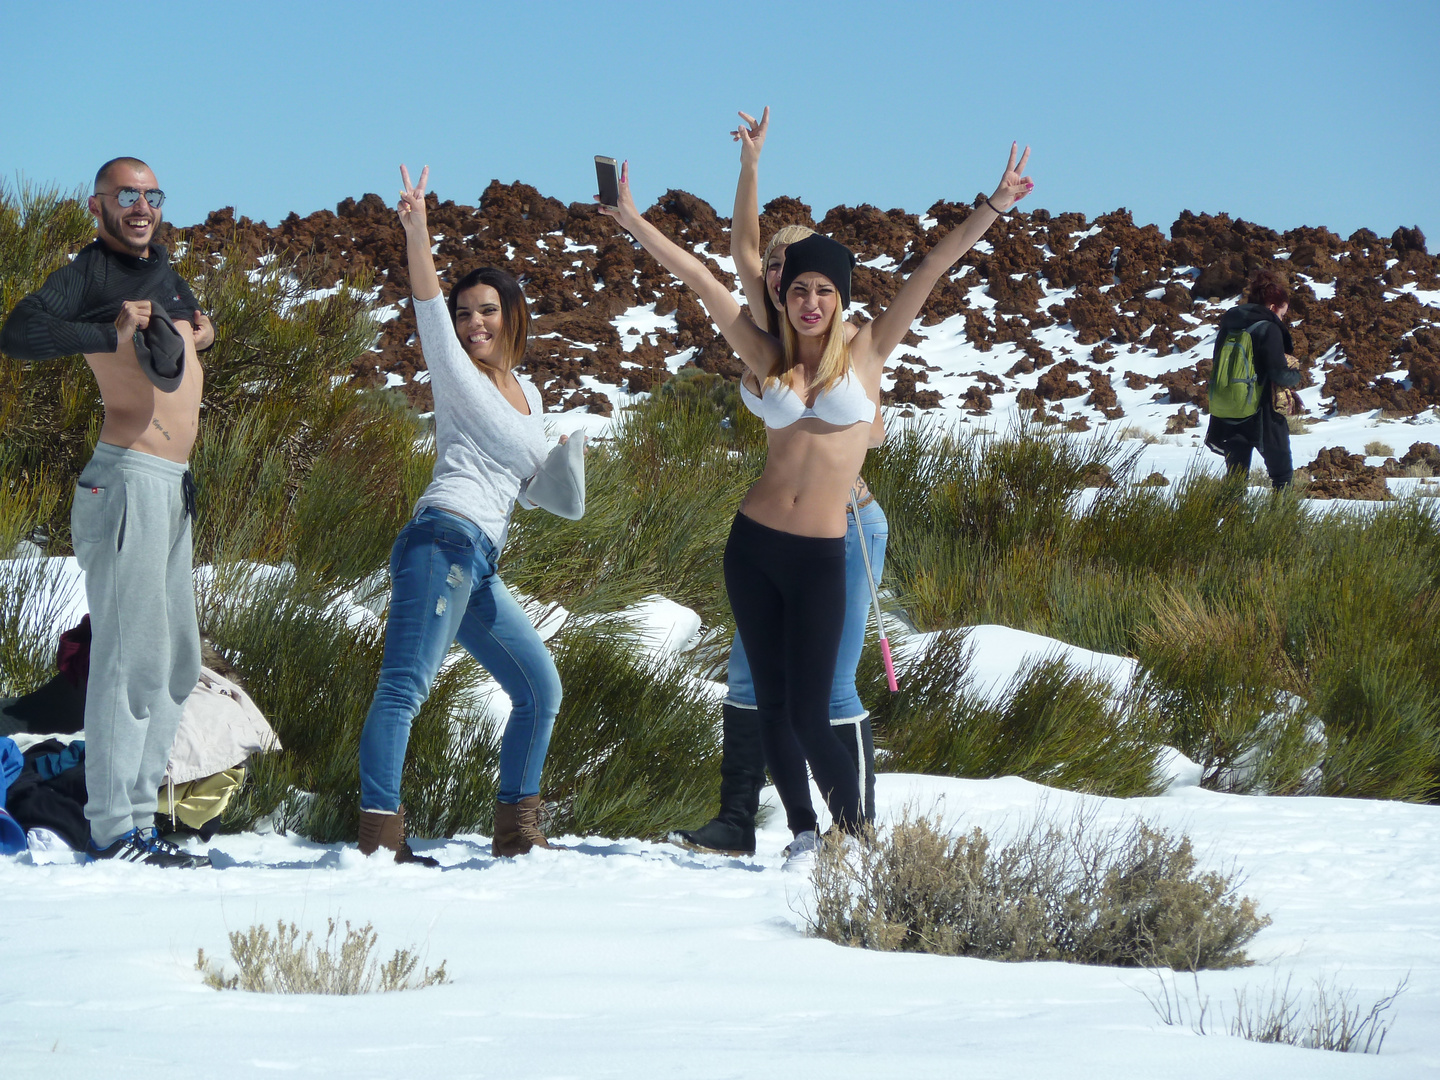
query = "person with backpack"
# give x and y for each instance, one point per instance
(1249, 395)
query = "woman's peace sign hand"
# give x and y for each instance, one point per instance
(1014, 185)
(751, 136)
(411, 207)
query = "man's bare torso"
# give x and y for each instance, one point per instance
(140, 416)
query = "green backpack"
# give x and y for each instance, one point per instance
(1234, 386)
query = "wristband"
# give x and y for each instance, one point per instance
(992, 206)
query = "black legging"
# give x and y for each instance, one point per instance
(788, 596)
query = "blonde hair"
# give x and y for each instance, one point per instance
(835, 361)
(787, 235)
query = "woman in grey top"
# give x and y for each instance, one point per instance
(489, 443)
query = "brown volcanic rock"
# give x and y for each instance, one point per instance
(1135, 381)
(1055, 386)
(1363, 336)
(1014, 297)
(1102, 396)
(1337, 474)
(1183, 420)
(689, 220)
(871, 232)
(904, 391)
(1187, 385)
(1425, 453)
(877, 289)
(1090, 312)
(1138, 255)
(778, 213)
(1228, 252)
(1420, 354)
(977, 401)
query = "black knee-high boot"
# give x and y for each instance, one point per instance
(859, 742)
(742, 775)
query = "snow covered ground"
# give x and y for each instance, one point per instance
(623, 958)
(628, 958)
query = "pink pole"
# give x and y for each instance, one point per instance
(889, 665)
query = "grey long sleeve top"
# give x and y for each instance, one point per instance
(485, 449)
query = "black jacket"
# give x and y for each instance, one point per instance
(75, 310)
(1272, 341)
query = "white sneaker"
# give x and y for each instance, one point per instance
(800, 852)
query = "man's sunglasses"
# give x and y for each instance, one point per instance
(129, 196)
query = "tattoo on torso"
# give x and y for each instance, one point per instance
(156, 425)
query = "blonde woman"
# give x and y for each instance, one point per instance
(785, 558)
(742, 761)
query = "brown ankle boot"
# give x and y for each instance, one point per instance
(517, 828)
(379, 829)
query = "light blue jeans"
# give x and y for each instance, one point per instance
(845, 704)
(443, 588)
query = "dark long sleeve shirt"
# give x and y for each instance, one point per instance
(75, 310)
(1271, 338)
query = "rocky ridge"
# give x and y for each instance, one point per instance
(1074, 306)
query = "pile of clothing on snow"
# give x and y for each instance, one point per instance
(42, 756)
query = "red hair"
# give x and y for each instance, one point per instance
(1268, 288)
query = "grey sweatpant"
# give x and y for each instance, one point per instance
(132, 539)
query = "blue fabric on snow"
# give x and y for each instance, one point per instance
(12, 836)
(11, 762)
(52, 765)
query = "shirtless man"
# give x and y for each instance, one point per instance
(134, 501)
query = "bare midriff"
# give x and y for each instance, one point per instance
(807, 479)
(138, 414)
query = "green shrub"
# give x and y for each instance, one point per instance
(1329, 1019)
(31, 600)
(635, 750)
(367, 474)
(313, 672)
(286, 962)
(1217, 683)
(1051, 724)
(1129, 895)
(661, 494)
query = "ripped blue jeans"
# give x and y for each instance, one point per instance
(443, 589)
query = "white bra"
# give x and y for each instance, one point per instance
(843, 404)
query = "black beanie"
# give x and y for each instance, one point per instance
(821, 255)
(161, 351)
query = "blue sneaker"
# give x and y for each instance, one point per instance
(164, 853)
(128, 848)
(148, 847)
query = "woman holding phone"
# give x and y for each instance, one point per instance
(742, 761)
(490, 444)
(785, 557)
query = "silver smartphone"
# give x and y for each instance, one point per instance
(607, 175)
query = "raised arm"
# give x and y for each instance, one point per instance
(745, 223)
(424, 282)
(757, 349)
(890, 326)
(43, 325)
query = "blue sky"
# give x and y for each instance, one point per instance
(1282, 113)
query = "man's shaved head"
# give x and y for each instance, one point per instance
(132, 162)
